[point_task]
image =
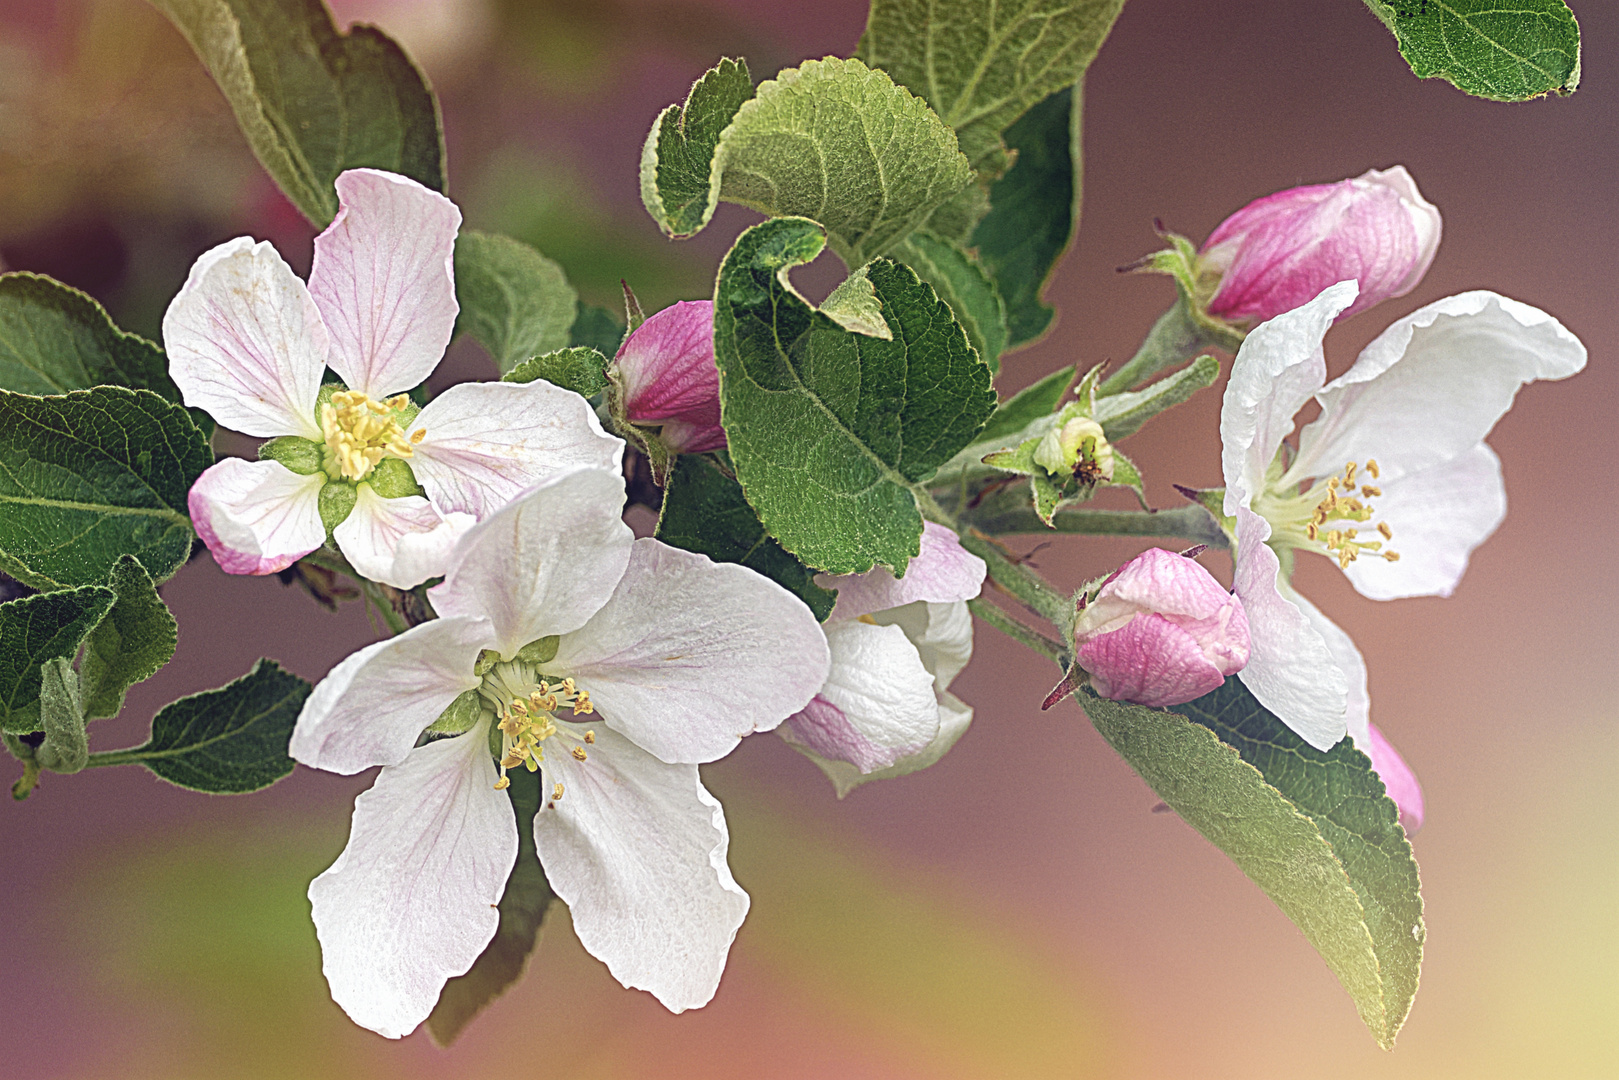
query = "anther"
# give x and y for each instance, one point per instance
(1371, 467)
(579, 753)
(590, 737)
(1383, 527)
(1369, 491)
(1392, 556)
(418, 435)
(503, 783)
(1349, 475)
(556, 793)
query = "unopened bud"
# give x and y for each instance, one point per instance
(667, 376)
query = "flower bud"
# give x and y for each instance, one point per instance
(1161, 631)
(1279, 252)
(667, 375)
(1398, 779)
(1078, 448)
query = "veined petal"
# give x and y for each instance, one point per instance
(954, 719)
(257, 517)
(246, 343)
(637, 850)
(1290, 669)
(1149, 661)
(690, 655)
(399, 542)
(412, 900)
(942, 572)
(1438, 516)
(941, 633)
(1278, 367)
(485, 442)
(877, 704)
(1431, 386)
(544, 564)
(1358, 703)
(370, 708)
(384, 279)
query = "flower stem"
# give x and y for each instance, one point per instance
(1190, 522)
(1019, 582)
(1174, 338)
(1015, 630)
(375, 594)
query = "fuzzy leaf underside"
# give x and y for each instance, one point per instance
(514, 301)
(1503, 50)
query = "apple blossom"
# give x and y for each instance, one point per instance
(1279, 251)
(1160, 631)
(1393, 481)
(896, 644)
(666, 373)
(393, 485)
(1398, 779)
(551, 604)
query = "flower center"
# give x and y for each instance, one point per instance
(361, 432)
(1325, 516)
(525, 706)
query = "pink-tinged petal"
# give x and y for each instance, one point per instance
(399, 542)
(667, 376)
(1437, 517)
(637, 850)
(1278, 252)
(1398, 779)
(1431, 387)
(1279, 366)
(1290, 669)
(246, 343)
(944, 571)
(257, 517)
(544, 564)
(1358, 702)
(697, 436)
(384, 279)
(942, 635)
(370, 708)
(1149, 661)
(412, 900)
(954, 719)
(487, 442)
(877, 705)
(691, 655)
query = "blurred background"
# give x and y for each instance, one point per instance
(1018, 910)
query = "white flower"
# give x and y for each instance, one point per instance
(663, 659)
(1393, 481)
(248, 342)
(896, 645)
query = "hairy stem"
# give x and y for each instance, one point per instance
(1174, 338)
(1015, 630)
(1019, 582)
(1189, 522)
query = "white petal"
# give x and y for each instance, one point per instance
(1438, 516)
(1431, 386)
(1290, 669)
(257, 517)
(544, 564)
(246, 343)
(384, 279)
(954, 719)
(399, 542)
(1278, 367)
(877, 705)
(942, 634)
(486, 442)
(690, 655)
(637, 850)
(944, 571)
(1357, 714)
(370, 708)
(412, 900)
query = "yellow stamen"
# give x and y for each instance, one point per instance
(503, 783)
(1371, 467)
(590, 737)
(556, 793)
(1383, 527)
(579, 753)
(1369, 491)
(360, 432)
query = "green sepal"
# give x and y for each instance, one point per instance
(1213, 500)
(300, 455)
(460, 715)
(61, 714)
(578, 368)
(1489, 48)
(35, 630)
(485, 662)
(392, 478)
(514, 301)
(336, 503)
(1196, 283)
(523, 906)
(540, 650)
(135, 639)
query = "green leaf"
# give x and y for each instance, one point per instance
(597, 328)
(522, 912)
(1338, 790)
(704, 511)
(93, 475)
(960, 282)
(35, 630)
(129, 646)
(1122, 415)
(1034, 208)
(224, 741)
(514, 301)
(679, 185)
(831, 432)
(582, 370)
(1278, 846)
(54, 339)
(313, 102)
(837, 142)
(981, 66)
(1029, 404)
(1504, 51)
(61, 714)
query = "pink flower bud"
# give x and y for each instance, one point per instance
(667, 374)
(1398, 779)
(1161, 631)
(1278, 252)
